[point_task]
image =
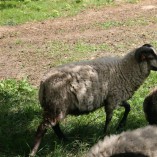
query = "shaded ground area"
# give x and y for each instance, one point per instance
(28, 50)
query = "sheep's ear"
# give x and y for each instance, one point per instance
(147, 45)
(144, 53)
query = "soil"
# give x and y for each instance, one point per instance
(24, 48)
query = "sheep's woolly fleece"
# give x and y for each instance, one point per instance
(150, 107)
(153, 94)
(142, 140)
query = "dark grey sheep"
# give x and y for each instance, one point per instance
(83, 87)
(141, 142)
(150, 107)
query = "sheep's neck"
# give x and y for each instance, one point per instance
(132, 72)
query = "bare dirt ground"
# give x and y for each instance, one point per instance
(24, 51)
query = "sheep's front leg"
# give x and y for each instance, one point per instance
(127, 110)
(109, 114)
(42, 128)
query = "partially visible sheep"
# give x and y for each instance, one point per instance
(141, 142)
(150, 107)
(129, 155)
(83, 87)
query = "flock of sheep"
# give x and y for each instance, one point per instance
(82, 87)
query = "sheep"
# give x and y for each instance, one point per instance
(82, 87)
(141, 142)
(150, 107)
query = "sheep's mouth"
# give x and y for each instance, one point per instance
(153, 68)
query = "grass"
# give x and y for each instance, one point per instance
(64, 52)
(17, 115)
(140, 21)
(15, 12)
(20, 115)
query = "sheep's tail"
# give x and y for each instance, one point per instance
(42, 98)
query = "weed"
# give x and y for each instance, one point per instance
(18, 41)
(132, 1)
(154, 43)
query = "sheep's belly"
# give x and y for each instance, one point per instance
(88, 99)
(84, 108)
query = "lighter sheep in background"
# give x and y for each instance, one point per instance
(83, 87)
(150, 107)
(141, 142)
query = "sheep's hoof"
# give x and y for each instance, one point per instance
(31, 154)
(106, 132)
(120, 126)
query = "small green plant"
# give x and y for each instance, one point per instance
(154, 43)
(132, 1)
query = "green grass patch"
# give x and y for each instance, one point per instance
(126, 23)
(132, 1)
(64, 52)
(20, 115)
(15, 12)
(154, 43)
(19, 112)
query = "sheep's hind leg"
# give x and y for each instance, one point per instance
(109, 114)
(59, 132)
(42, 128)
(127, 110)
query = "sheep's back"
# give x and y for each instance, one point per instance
(78, 86)
(142, 140)
(150, 106)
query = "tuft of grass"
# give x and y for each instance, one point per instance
(154, 43)
(132, 1)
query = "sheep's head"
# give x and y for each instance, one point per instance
(147, 53)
